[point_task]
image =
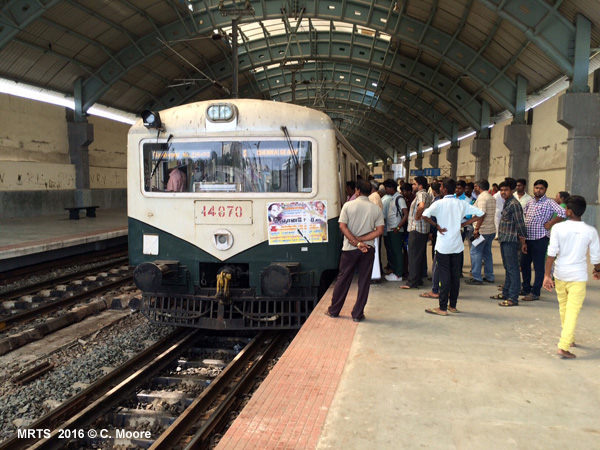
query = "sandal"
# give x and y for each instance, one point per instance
(453, 310)
(436, 311)
(428, 295)
(508, 303)
(530, 298)
(498, 297)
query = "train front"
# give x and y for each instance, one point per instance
(227, 228)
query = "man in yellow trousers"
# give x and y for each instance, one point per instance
(569, 245)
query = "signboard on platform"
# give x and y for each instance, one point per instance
(432, 172)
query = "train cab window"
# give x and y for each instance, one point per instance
(228, 166)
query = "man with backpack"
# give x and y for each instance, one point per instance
(395, 213)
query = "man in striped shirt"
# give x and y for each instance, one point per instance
(539, 218)
(511, 234)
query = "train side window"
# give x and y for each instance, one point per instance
(230, 166)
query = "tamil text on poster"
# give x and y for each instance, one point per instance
(297, 222)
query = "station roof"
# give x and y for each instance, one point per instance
(396, 76)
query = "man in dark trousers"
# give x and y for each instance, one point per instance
(449, 247)
(360, 222)
(418, 234)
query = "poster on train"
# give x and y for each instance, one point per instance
(297, 222)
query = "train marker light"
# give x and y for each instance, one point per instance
(223, 239)
(221, 112)
(152, 120)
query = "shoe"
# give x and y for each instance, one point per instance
(359, 319)
(327, 313)
(473, 281)
(488, 281)
(393, 277)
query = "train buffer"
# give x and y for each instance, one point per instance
(74, 211)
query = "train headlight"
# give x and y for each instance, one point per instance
(221, 112)
(152, 120)
(223, 239)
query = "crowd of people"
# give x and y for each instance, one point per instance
(531, 231)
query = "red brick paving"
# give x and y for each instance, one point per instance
(289, 408)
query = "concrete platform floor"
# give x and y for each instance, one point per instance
(487, 378)
(39, 234)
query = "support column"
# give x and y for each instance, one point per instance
(434, 157)
(517, 138)
(81, 135)
(419, 157)
(406, 164)
(480, 148)
(580, 114)
(452, 157)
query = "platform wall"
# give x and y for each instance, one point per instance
(548, 154)
(36, 174)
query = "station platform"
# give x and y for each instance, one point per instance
(488, 377)
(36, 239)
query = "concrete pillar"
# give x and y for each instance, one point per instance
(517, 138)
(419, 162)
(406, 169)
(452, 157)
(480, 148)
(434, 160)
(580, 114)
(81, 135)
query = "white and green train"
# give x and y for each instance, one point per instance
(233, 209)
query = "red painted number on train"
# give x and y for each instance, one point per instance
(222, 211)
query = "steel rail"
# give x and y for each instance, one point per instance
(222, 383)
(7, 322)
(12, 294)
(82, 409)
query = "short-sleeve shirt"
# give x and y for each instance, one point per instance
(392, 215)
(449, 212)
(487, 204)
(419, 225)
(569, 243)
(361, 216)
(537, 213)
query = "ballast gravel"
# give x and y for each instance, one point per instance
(22, 405)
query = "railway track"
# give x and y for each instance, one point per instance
(181, 387)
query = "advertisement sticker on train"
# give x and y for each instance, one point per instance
(297, 222)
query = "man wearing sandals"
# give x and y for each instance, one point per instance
(449, 246)
(511, 231)
(569, 244)
(539, 219)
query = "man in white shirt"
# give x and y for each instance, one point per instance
(449, 247)
(569, 244)
(499, 206)
(520, 193)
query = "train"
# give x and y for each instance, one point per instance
(233, 210)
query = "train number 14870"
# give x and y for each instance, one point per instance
(237, 212)
(222, 211)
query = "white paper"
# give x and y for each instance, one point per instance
(478, 241)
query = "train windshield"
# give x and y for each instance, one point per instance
(228, 166)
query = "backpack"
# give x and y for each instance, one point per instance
(398, 209)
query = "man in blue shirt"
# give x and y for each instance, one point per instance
(449, 212)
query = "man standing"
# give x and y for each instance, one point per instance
(350, 190)
(449, 212)
(396, 216)
(569, 244)
(418, 230)
(521, 195)
(483, 227)
(539, 214)
(511, 231)
(360, 222)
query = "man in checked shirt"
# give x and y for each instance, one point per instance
(539, 218)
